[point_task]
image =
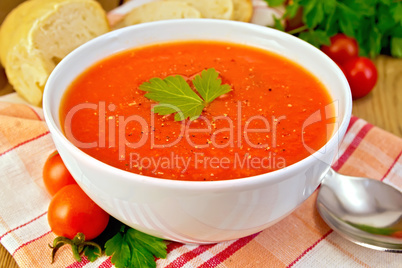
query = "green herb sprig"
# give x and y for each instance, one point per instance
(132, 248)
(126, 246)
(375, 24)
(175, 95)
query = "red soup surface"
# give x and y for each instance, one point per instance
(262, 125)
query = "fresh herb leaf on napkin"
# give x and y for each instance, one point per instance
(131, 248)
(92, 253)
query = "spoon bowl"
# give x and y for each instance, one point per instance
(365, 211)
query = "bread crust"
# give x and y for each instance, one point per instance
(242, 10)
(37, 34)
(213, 9)
(159, 10)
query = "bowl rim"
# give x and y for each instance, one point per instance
(271, 177)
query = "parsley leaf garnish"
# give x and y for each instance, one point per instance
(209, 85)
(176, 96)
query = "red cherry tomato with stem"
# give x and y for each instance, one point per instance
(71, 211)
(55, 174)
(361, 74)
(341, 49)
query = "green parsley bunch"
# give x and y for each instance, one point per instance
(375, 24)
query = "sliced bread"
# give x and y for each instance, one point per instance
(242, 10)
(214, 9)
(37, 34)
(158, 10)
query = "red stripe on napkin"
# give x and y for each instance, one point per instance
(389, 169)
(22, 225)
(310, 248)
(186, 257)
(29, 242)
(35, 113)
(106, 264)
(352, 146)
(226, 253)
(172, 246)
(80, 264)
(352, 121)
(25, 142)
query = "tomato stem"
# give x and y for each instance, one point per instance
(76, 253)
(77, 244)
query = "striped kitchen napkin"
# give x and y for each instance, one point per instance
(300, 240)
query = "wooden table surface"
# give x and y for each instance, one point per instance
(383, 106)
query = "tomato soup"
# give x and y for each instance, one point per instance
(262, 125)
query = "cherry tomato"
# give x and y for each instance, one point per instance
(341, 49)
(71, 211)
(362, 76)
(55, 174)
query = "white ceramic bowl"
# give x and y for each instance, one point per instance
(197, 212)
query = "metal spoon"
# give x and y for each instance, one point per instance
(365, 211)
